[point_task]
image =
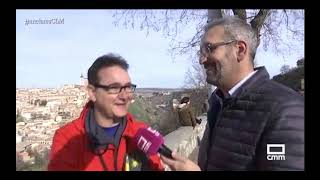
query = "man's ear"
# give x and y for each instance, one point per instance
(91, 93)
(242, 50)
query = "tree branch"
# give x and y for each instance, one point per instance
(268, 23)
(287, 19)
(241, 13)
(213, 14)
(257, 22)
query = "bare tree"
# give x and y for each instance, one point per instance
(267, 23)
(172, 23)
(195, 77)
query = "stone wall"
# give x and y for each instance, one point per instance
(185, 139)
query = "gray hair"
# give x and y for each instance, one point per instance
(236, 29)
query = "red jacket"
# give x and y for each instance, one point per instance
(70, 149)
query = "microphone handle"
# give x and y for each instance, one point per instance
(164, 150)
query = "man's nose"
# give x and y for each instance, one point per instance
(123, 94)
(203, 59)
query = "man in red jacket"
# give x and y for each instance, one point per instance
(101, 138)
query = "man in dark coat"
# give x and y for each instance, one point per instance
(254, 123)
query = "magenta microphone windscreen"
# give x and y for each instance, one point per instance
(148, 140)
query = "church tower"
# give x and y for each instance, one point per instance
(83, 80)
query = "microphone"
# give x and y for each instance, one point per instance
(151, 142)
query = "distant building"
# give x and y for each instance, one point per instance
(41, 122)
(26, 115)
(83, 80)
(20, 124)
(24, 156)
(18, 138)
(166, 93)
(58, 119)
(20, 147)
(161, 106)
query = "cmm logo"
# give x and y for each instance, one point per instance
(276, 152)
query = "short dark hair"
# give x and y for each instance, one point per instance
(107, 60)
(184, 100)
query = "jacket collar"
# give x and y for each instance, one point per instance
(254, 81)
(97, 138)
(129, 120)
(97, 134)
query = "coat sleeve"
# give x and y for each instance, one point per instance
(286, 127)
(62, 156)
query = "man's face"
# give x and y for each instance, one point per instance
(112, 105)
(219, 62)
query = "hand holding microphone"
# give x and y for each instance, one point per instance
(179, 163)
(151, 142)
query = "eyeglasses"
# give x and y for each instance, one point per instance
(114, 89)
(208, 48)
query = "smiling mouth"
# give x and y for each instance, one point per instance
(209, 70)
(210, 67)
(120, 104)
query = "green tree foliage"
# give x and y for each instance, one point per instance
(137, 108)
(36, 116)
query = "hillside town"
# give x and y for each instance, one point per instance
(41, 112)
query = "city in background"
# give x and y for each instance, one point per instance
(55, 47)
